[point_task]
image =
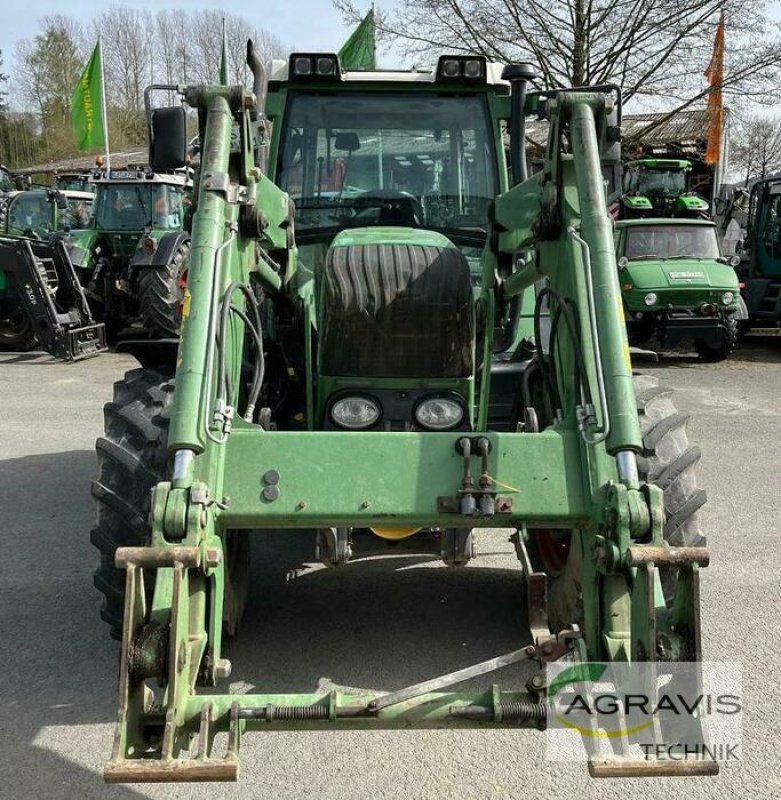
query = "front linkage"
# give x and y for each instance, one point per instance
(579, 475)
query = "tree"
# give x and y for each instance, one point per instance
(656, 48)
(756, 148)
(138, 48)
(49, 66)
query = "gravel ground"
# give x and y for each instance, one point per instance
(380, 623)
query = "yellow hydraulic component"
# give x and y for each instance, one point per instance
(394, 533)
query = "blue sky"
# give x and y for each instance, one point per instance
(302, 24)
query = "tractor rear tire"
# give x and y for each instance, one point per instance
(669, 461)
(17, 334)
(161, 295)
(132, 459)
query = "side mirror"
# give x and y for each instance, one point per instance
(167, 138)
(622, 262)
(735, 260)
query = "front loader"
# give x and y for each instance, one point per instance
(384, 333)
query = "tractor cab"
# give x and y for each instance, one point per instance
(131, 205)
(40, 212)
(415, 150)
(392, 175)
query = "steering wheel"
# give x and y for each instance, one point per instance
(395, 207)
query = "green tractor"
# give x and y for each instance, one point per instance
(760, 268)
(358, 357)
(677, 286)
(38, 214)
(655, 187)
(131, 257)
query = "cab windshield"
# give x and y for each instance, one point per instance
(135, 206)
(78, 212)
(671, 241)
(30, 212)
(381, 159)
(657, 181)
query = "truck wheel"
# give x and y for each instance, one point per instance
(17, 334)
(669, 462)
(161, 294)
(729, 338)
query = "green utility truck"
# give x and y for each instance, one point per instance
(355, 360)
(656, 187)
(33, 214)
(677, 286)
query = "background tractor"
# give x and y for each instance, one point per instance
(124, 266)
(677, 286)
(760, 268)
(35, 214)
(654, 187)
(429, 345)
(131, 257)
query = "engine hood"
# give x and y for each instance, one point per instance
(390, 235)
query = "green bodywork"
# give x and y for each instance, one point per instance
(577, 474)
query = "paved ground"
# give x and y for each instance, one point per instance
(372, 626)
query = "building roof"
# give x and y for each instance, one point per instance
(684, 132)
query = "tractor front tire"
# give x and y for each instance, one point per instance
(132, 459)
(669, 462)
(17, 334)
(161, 294)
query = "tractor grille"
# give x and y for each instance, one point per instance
(396, 311)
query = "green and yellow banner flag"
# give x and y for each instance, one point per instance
(87, 105)
(357, 52)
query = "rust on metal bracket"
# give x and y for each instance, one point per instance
(668, 556)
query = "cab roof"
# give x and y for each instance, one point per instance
(668, 221)
(280, 73)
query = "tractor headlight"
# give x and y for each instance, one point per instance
(650, 299)
(439, 413)
(355, 413)
(326, 66)
(727, 298)
(302, 66)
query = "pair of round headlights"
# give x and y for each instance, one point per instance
(358, 412)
